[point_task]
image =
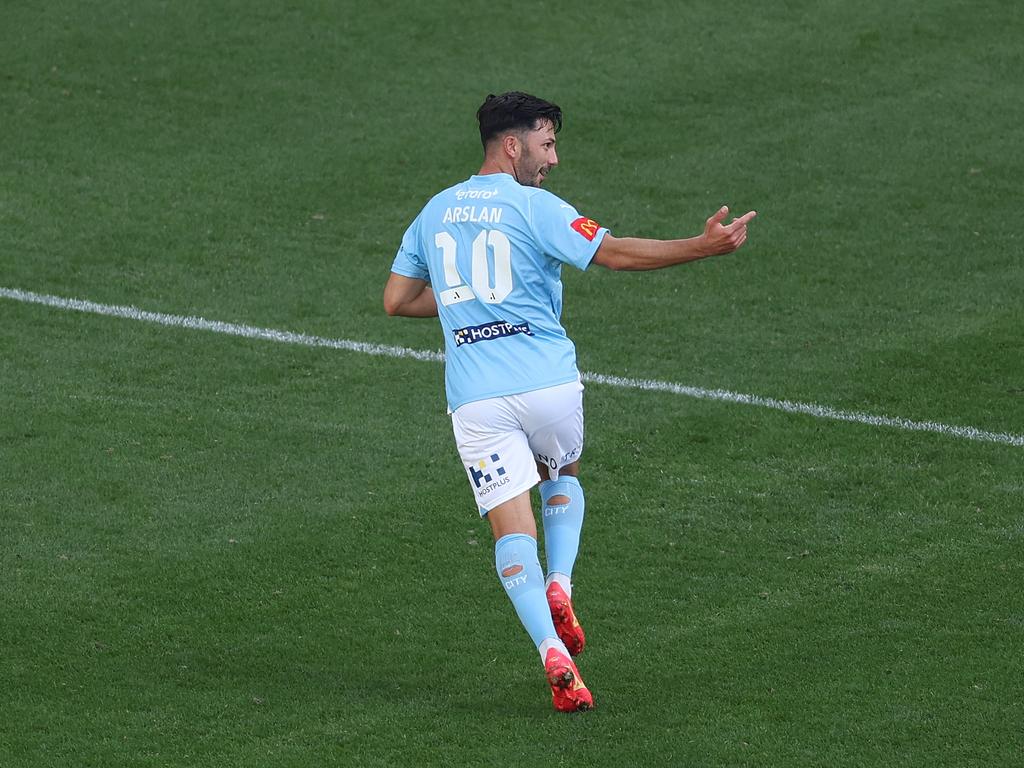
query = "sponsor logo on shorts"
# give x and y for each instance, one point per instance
(488, 475)
(499, 329)
(586, 227)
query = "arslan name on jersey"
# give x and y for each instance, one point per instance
(461, 214)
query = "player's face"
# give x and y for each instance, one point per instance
(538, 155)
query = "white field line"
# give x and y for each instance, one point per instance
(231, 329)
(650, 385)
(810, 409)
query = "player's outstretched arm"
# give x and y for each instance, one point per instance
(409, 297)
(637, 253)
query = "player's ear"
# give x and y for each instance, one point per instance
(511, 145)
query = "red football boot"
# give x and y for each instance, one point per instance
(568, 628)
(568, 693)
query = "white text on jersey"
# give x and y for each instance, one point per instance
(470, 213)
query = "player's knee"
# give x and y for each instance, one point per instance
(570, 470)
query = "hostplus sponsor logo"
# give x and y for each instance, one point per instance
(488, 475)
(499, 329)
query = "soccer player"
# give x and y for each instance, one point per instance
(485, 256)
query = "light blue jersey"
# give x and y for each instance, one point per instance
(493, 251)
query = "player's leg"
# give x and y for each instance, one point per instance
(555, 430)
(500, 467)
(563, 506)
(518, 567)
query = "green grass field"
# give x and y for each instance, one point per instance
(218, 551)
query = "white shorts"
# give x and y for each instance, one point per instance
(501, 439)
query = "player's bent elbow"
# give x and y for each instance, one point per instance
(391, 306)
(610, 256)
(614, 262)
(606, 263)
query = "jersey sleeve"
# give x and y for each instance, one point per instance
(562, 233)
(410, 261)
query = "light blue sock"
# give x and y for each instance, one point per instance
(562, 524)
(515, 558)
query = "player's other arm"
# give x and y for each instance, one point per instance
(637, 253)
(409, 297)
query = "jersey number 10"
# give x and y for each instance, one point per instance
(483, 288)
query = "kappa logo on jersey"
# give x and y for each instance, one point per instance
(586, 227)
(499, 329)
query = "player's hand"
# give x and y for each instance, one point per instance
(722, 238)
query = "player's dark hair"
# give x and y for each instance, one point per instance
(514, 111)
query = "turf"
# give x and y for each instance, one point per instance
(218, 551)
